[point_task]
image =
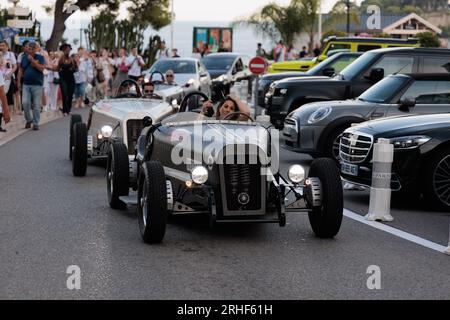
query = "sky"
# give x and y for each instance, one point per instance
(192, 10)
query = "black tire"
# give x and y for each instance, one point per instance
(326, 220)
(79, 155)
(152, 202)
(117, 175)
(75, 118)
(436, 189)
(331, 150)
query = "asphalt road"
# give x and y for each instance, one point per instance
(50, 220)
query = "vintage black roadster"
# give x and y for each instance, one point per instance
(192, 164)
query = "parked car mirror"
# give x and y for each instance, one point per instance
(407, 103)
(376, 74)
(147, 121)
(328, 72)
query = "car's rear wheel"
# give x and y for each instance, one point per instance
(437, 180)
(118, 175)
(326, 219)
(75, 118)
(152, 202)
(79, 155)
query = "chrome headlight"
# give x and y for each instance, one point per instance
(283, 91)
(199, 175)
(296, 174)
(106, 131)
(319, 115)
(409, 142)
(222, 78)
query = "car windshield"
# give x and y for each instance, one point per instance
(384, 90)
(338, 62)
(177, 66)
(357, 66)
(218, 63)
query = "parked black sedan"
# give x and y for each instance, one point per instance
(328, 68)
(421, 154)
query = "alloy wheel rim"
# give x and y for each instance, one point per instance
(336, 146)
(441, 180)
(144, 204)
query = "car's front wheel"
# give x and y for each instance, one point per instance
(152, 202)
(326, 218)
(437, 180)
(118, 175)
(79, 154)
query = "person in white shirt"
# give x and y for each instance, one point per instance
(53, 81)
(106, 63)
(134, 64)
(4, 113)
(163, 52)
(81, 77)
(122, 69)
(9, 77)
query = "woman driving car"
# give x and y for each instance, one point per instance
(232, 105)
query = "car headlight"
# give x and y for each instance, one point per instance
(190, 83)
(296, 173)
(409, 142)
(199, 175)
(222, 78)
(319, 115)
(283, 91)
(106, 131)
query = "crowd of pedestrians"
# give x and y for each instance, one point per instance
(282, 53)
(36, 80)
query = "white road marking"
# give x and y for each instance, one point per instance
(396, 232)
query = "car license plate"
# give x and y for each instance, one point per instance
(349, 169)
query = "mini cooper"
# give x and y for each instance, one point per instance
(226, 169)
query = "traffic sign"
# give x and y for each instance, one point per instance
(258, 65)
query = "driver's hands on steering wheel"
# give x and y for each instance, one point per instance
(207, 107)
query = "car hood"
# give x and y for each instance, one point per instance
(306, 79)
(404, 125)
(217, 73)
(353, 107)
(182, 78)
(283, 75)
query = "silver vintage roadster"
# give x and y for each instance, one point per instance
(189, 163)
(118, 120)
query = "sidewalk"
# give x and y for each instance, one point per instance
(17, 126)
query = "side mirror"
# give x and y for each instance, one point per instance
(147, 121)
(376, 74)
(328, 72)
(407, 103)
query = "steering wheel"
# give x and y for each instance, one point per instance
(138, 93)
(236, 115)
(157, 82)
(184, 102)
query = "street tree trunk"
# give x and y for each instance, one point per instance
(59, 26)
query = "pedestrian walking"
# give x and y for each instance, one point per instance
(134, 64)
(80, 81)
(122, 69)
(280, 52)
(260, 52)
(175, 53)
(163, 52)
(106, 63)
(67, 67)
(291, 54)
(32, 67)
(53, 81)
(4, 113)
(317, 50)
(9, 77)
(303, 53)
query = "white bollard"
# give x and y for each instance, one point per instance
(380, 192)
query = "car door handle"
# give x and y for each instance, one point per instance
(377, 115)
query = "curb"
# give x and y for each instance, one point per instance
(16, 128)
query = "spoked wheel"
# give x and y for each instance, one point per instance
(332, 144)
(79, 154)
(117, 175)
(437, 180)
(152, 202)
(75, 118)
(326, 218)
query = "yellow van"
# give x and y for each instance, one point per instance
(335, 45)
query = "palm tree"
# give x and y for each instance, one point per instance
(286, 22)
(338, 15)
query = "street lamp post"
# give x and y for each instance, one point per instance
(171, 24)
